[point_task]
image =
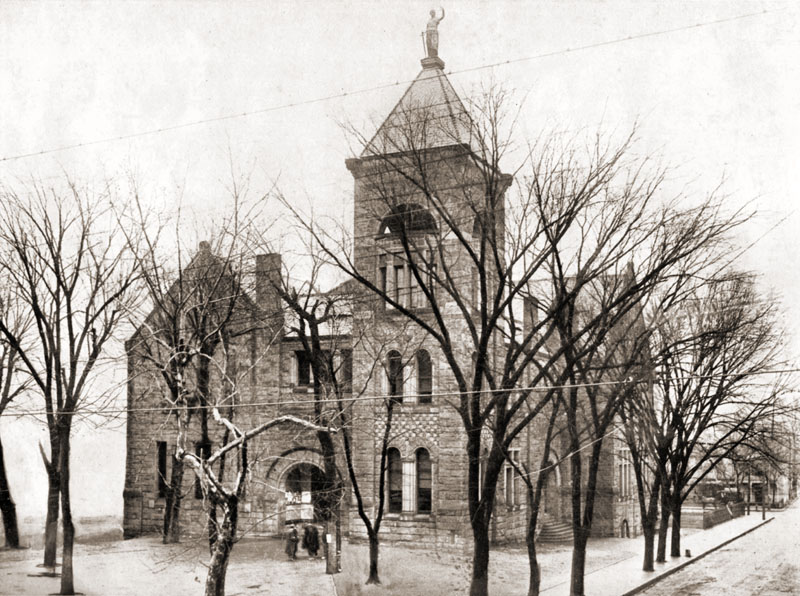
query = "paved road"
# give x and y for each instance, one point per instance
(764, 562)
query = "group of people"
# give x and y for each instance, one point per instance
(310, 541)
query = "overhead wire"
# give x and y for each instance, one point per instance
(345, 94)
(166, 407)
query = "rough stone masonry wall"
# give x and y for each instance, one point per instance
(257, 356)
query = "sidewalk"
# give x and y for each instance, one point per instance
(624, 575)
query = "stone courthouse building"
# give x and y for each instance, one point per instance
(379, 353)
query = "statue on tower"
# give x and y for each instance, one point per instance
(432, 34)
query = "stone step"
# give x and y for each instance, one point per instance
(555, 531)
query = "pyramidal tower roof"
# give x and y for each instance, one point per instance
(429, 114)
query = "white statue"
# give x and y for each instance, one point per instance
(432, 34)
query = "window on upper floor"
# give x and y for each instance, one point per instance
(394, 375)
(424, 377)
(398, 279)
(407, 219)
(303, 373)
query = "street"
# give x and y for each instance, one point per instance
(762, 562)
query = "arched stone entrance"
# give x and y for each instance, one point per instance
(304, 493)
(295, 489)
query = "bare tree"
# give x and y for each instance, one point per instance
(69, 269)
(323, 322)
(196, 304)
(466, 245)
(311, 313)
(227, 497)
(534, 484)
(13, 383)
(712, 390)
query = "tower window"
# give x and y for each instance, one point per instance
(407, 219)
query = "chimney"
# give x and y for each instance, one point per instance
(268, 277)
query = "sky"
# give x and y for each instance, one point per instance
(713, 87)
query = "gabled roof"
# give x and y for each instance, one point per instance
(429, 114)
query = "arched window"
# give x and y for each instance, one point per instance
(424, 376)
(424, 481)
(395, 480)
(407, 219)
(394, 375)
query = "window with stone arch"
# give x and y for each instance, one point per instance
(424, 377)
(394, 480)
(424, 481)
(394, 376)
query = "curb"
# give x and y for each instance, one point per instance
(333, 586)
(677, 568)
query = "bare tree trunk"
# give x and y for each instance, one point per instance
(172, 509)
(7, 506)
(661, 554)
(479, 586)
(67, 583)
(373, 559)
(332, 497)
(649, 531)
(221, 550)
(675, 541)
(535, 579)
(583, 523)
(53, 495)
(580, 539)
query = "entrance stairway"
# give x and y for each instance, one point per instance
(553, 530)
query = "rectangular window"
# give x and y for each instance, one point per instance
(399, 290)
(511, 477)
(325, 364)
(383, 279)
(509, 485)
(203, 451)
(161, 468)
(303, 368)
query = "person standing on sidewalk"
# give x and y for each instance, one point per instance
(292, 539)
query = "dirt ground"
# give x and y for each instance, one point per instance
(144, 567)
(413, 572)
